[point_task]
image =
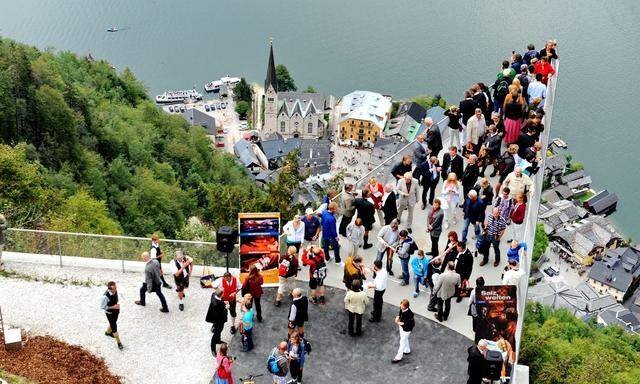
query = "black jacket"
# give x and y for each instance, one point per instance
(400, 169)
(477, 365)
(467, 108)
(457, 165)
(464, 266)
(470, 176)
(433, 139)
(390, 208)
(217, 313)
(423, 175)
(407, 318)
(366, 211)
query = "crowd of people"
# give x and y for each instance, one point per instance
(497, 127)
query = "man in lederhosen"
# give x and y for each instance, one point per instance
(181, 268)
(111, 308)
(157, 254)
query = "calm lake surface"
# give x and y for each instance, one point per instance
(402, 47)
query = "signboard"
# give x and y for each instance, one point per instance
(497, 307)
(259, 244)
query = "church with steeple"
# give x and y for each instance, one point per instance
(293, 114)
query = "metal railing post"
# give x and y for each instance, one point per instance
(122, 254)
(59, 250)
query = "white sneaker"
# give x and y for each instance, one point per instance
(446, 225)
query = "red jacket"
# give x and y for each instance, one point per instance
(517, 213)
(377, 201)
(254, 286)
(545, 69)
(229, 289)
(314, 262)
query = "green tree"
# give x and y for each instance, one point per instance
(242, 108)
(288, 182)
(540, 243)
(82, 213)
(285, 81)
(243, 91)
(310, 89)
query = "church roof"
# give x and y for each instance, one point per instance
(304, 103)
(271, 72)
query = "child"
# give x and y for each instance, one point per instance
(420, 266)
(355, 235)
(246, 325)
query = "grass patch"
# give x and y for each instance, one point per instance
(585, 197)
(13, 379)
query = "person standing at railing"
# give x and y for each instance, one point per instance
(420, 150)
(181, 268)
(156, 254)
(312, 228)
(347, 208)
(407, 189)
(330, 232)
(432, 137)
(517, 216)
(365, 211)
(152, 282)
(400, 169)
(111, 308)
(294, 232)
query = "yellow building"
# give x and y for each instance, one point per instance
(363, 116)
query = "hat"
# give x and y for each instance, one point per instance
(308, 211)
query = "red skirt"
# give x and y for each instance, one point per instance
(512, 128)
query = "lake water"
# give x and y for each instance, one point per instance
(402, 47)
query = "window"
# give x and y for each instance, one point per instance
(270, 99)
(310, 128)
(282, 126)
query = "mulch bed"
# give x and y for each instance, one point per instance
(48, 360)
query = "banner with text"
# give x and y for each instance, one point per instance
(497, 309)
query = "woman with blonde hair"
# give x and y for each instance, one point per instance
(513, 107)
(451, 192)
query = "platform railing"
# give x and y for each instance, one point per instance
(123, 248)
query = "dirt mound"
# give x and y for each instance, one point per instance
(48, 360)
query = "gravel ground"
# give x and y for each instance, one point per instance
(155, 343)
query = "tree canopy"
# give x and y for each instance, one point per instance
(285, 81)
(243, 91)
(83, 148)
(242, 108)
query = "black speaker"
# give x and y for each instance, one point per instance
(226, 239)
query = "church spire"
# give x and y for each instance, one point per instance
(271, 70)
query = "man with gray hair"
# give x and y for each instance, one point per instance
(477, 363)
(298, 313)
(152, 282)
(473, 214)
(181, 268)
(389, 204)
(420, 150)
(407, 189)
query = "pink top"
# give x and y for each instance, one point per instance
(224, 368)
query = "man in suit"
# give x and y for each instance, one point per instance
(463, 265)
(434, 226)
(152, 282)
(407, 188)
(428, 175)
(452, 162)
(389, 204)
(467, 107)
(470, 175)
(433, 137)
(217, 315)
(477, 362)
(420, 150)
(445, 289)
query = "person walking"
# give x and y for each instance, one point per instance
(294, 232)
(463, 265)
(278, 363)
(298, 312)
(312, 227)
(434, 227)
(407, 189)
(494, 229)
(330, 232)
(387, 240)
(224, 364)
(355, 302)
(451, 197)
(253, 285)
(379, 286)
(181, 268)
(152, 282)
(217, 316)
(156, 254)
(445, 289)
(297, 355)
(420, 267)
(230, 289)
(365, 210)
(389, 204)
(287, 272)
(313, 257)
(404, 250)
(355, 235)
(111, 308)
(347, 207)
(406, 323)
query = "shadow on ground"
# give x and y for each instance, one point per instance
(438, 353)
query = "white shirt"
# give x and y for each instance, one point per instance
(380, 281)
(294, 235)
(175, 269)
(154, 251)
(512, 277)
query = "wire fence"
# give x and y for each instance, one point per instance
(123, 248)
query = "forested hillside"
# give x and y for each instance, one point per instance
(83, 148)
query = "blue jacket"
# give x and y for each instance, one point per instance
(474, 211)
(328, 225)
(301, 351)
(415, 265)
(514, 253)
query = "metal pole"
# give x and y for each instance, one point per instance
(227, 261)
(60, 251)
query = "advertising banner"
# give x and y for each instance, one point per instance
(497, 308)
(259, 244)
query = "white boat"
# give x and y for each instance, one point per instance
(214, 86)
(178, 96)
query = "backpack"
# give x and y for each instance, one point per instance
(307, 346)
(413, 247)
(273, 366)
(283, 268)
(502, 89)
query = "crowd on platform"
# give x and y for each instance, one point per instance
(497, 126)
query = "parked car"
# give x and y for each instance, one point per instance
(207, 108)
(223, 105)
(182, 108)
(171, 108)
